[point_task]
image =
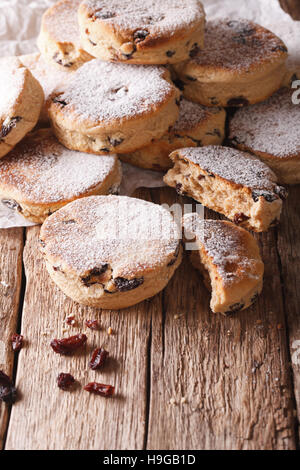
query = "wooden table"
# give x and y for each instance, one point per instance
(235, 381)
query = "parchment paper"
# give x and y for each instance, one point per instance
(20, 25)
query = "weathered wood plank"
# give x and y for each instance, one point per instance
(289, 251)
(11, 242)
(232, 374)
(48, 418)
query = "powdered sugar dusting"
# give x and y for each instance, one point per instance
(225, 244)
(237, 44)
(12, 81)
(271, 127)
(157, 16)
(61, 21)
(41, 170)
(190, 115)
(233, 165)
(102, 91)
(52, 78)
(128, 234)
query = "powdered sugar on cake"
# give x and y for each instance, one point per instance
(129, 234)
(233, 165)
(12, 82)
(41, 170)
(61, 21)
(237, 44)
(102, 91)
(157, 16)
(224, 243)
(271, 127)
(190, 115)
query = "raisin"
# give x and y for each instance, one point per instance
(115, 142)
(173, 261)
(12, 204)
(215, 132)
(191, 79)
(105, 15)
(194, 51)
(106, 150)
(196, 141)
(282, 192)
(71, 320)
(269, 197)
(179, 84)
(94, 273)
(57, 269)
(58, 101)
(69, 222)
(239, 218)
(140, 35)
(42, 243)
(68, 345)
(92, 324)
(17, 342)
(124, 284)
(100, 389)
(93, 43)
(200, 177)
(235, 308)
(214, 101)
(170, 53)
(8, 392)
(209, 173)
(279, 48)
(238, 101)
(98, 359)
(65, 381)
(7, 128)
(178, 188)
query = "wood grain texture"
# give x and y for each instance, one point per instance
(289, 252)
(231, 374)
(11, 242)
(292, 7)
(230, 378)
(48, 418)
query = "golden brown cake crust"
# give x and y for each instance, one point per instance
(111, 252)
(149, 32)
(229, 255)
(241, 63)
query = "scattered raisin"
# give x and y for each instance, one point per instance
(8, 392)
(68, 345)
(17, 342)
(92, 324)
(239, 218)
(98, 359)
(178, 188)
(106, 15)
(269, 197)
(124, 284)
(65, 381)
(100, 389)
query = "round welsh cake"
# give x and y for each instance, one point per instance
(111, 251)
